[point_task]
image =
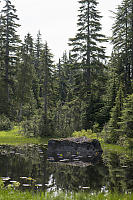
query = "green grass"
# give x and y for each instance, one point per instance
(18, 195)
(113, 148)
(14, 137)
(105, 146)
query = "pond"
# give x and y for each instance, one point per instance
(29, 166)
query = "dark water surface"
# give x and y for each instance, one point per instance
(29, 166)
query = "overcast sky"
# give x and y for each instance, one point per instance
(56, 20)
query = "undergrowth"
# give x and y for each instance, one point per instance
(14, 137)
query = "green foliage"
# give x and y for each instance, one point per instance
(87, 133)
(9, 41)
(122, 40)
(68, 117)
(123, 141)
(79, 92)
(88, 54)
(126, 124)
(81, 133)
(16, 137)
(88, 38)
(5, 123)
(27, 195)
(30, 127)
(36, 126)
(111, 129)
(3, 97)
(119, 127)
(1, 184)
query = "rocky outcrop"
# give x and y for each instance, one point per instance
(74, 149)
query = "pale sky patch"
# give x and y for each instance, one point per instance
(57, 20)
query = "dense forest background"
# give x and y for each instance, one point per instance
(84, 90)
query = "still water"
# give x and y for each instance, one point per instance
(29, 166)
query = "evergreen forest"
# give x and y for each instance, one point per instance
(84, 90)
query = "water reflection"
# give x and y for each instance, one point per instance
(120, 166)
(69, 177)
(28, 165)
(23, 161)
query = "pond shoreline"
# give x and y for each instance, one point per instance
(26, 159)
(27, 195)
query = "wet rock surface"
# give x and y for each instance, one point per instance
(74, 150)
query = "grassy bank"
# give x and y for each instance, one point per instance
(14, 137)
(105, 146)
(15, 195)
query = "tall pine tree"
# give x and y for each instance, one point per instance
(47, 93)
(25, 74)
(122, 40)
(88, 55)
(9, 46)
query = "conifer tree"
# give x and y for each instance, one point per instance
(38, 76)
(126, 124)
(25, 77)
(47, 98)
(37, 54)
(88, 54)
(112, 134)
(122, 40)
(9, 45)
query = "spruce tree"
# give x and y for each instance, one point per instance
(126, 124)
(112, 129)
(122, 40)
(25, 75)
(38, 76)
(88, 55)
(9, 46)
(47, 93)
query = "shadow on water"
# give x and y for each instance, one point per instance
(22, 163)
(29, 166)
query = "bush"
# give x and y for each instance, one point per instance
(1, 184)
(126, 123)
(82, 133)
(5, 123)
(87, 133)
(30, 128)
(36, 127)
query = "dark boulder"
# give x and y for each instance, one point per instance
(74, 149)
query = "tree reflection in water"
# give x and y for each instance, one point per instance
(113, 172)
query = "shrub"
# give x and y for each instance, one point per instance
(5, 123)
(87, 133)
(1, 184)
(30, 128)
(126, 123)
(36, 127)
